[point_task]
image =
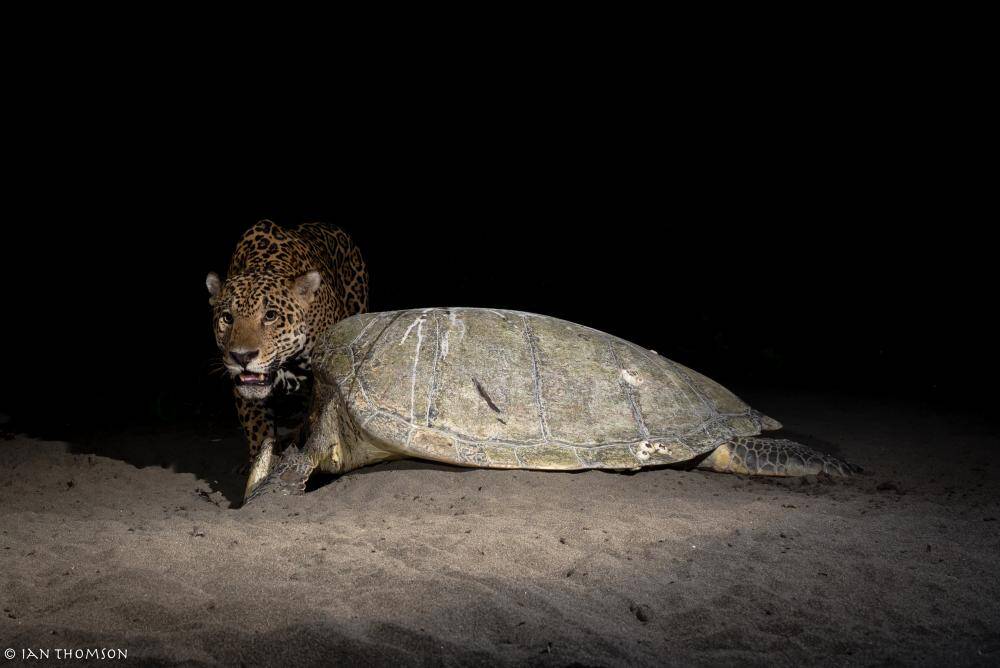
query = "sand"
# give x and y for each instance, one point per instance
(128, 541)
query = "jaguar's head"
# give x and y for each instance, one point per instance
(260, 322)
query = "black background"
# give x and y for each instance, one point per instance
(795, 242)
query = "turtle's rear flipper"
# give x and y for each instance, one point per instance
(773, 456)
(288, 477)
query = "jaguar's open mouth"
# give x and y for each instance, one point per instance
(254, 379)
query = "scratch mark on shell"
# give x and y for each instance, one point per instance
(440, 351)
(419, 322)
(529, 337)
(628, 382)
(363, 331)
(486, 397)
(457, 324)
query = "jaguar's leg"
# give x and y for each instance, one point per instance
(257, 419)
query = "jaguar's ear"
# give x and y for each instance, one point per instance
(214, 286)
(306, 286)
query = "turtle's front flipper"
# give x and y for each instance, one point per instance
(260, 466)
(289, 476)
(773, 456)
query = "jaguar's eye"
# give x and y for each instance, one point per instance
(227, 318)
(270, 315)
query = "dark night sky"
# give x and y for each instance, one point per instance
(820, 251)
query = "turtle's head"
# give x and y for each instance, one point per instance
(259, 320)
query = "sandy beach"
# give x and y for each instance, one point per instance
(134, 540)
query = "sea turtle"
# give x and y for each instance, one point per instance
(504, 389)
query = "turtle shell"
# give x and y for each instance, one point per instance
(505, 389)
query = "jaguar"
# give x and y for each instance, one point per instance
(284, 287)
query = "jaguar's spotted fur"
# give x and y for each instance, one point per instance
(283, 288)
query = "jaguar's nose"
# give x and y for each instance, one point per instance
(243, 357)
